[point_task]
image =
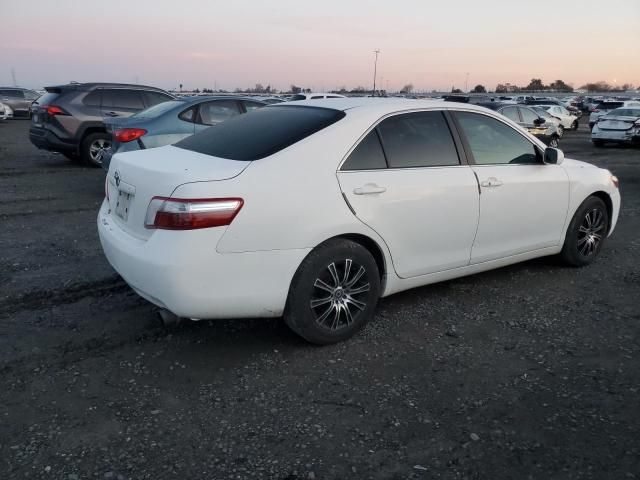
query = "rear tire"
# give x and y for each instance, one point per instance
(574, 125)
(93, 147)
(586, 233)
(333, 293)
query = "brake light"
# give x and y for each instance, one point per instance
(615, 181)
(54, 110)
(189, 214)
(124, 135)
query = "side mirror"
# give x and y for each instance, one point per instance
(539, 121)
(553, 156)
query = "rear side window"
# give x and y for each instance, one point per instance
(129, 99)
(248, 105)
(269, 130)
(420, 139)
(154, 98)
(368, 155)
(92, 99)
(217, 111)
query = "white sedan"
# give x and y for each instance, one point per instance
(5, 111)
(567, 119)
(621, 125)
(316, 209)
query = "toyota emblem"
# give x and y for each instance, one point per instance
(116, 177)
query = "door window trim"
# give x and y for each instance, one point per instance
(457, 141)
(467, 146)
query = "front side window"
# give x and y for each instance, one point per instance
(368, 155)
(511, 113)
(495, 143)
(420, 139)
(528, 116)
(217, 111)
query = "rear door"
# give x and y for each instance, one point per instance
(406, 181)
(523, 202)
(120, 102)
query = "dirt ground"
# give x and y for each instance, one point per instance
(527, 372)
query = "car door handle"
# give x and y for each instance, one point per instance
(369, 189)
(491, 182)
(111, 114)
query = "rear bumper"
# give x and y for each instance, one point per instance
(620, 136)
(47, 140)
(183, 272)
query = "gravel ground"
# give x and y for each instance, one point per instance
(527, 372)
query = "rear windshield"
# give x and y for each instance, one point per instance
(609, 105)
(158, 109)
(261, 132)
(625, 112)
(295, 98)
(47, 98)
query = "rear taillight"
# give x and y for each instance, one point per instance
(124, 135)
(189, 214)
(615, 181)
(54, 110)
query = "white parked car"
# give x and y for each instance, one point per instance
(621, 125)
(5, 111)
(314, 210)
(567, 119)
(604, 107)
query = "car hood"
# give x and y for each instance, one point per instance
(570, 163)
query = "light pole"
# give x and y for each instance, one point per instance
(466, 82)
(375, 71)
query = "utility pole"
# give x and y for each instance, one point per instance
(375, 71)
(466, 83)
(13, 76)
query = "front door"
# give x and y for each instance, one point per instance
(523, 201)
(406, 182)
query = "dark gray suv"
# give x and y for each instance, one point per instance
(18, 99)
(69, 118)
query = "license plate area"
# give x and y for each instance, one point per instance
(122, 204)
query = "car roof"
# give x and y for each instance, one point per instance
(379, 106)
(91, 85)
(206, 98)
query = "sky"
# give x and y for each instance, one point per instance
(433, 45)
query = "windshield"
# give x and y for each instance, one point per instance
(261, 132)
(157, 110)
(625, 112)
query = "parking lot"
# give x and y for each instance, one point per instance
(530, 371)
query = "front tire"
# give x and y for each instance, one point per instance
(586, 233)
(93, 148)
(554, 142)
(561, 130)
(333, 293)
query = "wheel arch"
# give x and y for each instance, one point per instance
(606, 198)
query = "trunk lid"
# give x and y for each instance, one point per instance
(616, 122)
(114, 123)
(134, 178)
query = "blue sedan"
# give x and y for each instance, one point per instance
(169, 122)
